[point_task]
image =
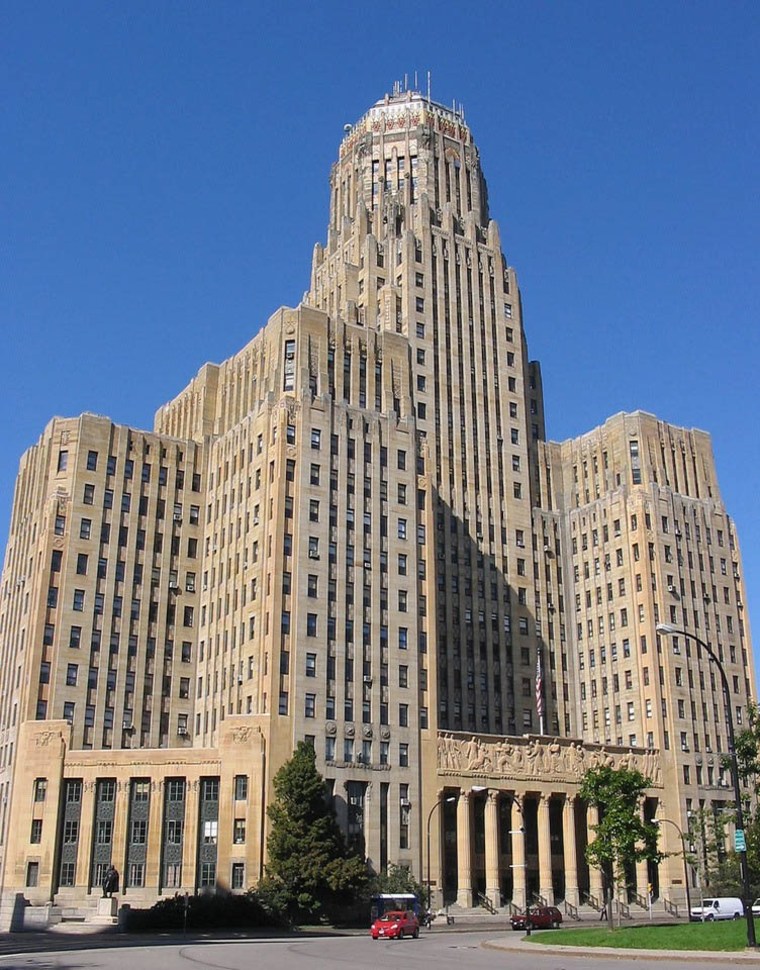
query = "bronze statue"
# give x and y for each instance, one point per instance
(110, 882)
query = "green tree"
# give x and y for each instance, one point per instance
(707, 838)
(748, 748)
(623, 838)
(748, 766)
(747, 744)
(310, 872)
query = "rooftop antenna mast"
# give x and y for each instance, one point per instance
(428, 86)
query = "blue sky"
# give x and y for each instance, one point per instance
(164, 179)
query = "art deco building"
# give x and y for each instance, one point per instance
(354, 532)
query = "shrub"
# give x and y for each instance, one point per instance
(204, 912)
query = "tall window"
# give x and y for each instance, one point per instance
(290, 365)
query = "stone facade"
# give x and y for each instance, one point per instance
(354, 532)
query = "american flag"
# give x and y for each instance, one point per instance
(539, 688)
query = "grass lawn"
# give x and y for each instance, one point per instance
(724, 936)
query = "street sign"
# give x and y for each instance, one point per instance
(740, 843)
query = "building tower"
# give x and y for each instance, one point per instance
(353, 532)
(379, 475)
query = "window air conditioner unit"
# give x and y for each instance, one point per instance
(367, 680)
(181, 731)
(671, 589)
(405, 803)
(177, 517)
(174, 587)
(127, 726)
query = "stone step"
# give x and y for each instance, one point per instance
(481, 915)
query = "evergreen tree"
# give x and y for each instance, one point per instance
(623, 838)
(310, 870)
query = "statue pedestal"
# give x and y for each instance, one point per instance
(108, 908)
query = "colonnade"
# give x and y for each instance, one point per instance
(513, 846)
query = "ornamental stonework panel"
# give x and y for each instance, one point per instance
(538, 758)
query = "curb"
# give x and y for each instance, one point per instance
(684, 956)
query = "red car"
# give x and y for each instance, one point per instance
(539, 917)
(395, 925)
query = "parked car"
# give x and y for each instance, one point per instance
(395, 925)
(538, 917)
(756, 908)
(718, 907)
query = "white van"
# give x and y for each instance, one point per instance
(719, 907)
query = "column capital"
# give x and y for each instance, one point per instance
(492, 796)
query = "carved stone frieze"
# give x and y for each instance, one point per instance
(538, 758)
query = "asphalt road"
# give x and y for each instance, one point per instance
(444, 951)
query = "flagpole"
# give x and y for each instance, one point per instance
(539, 692)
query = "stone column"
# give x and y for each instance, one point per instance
(153, 874)
(120, 835)
(569, 850)
(517, 831)
(545, 884)
(594, 874)
(464, 851)
(642, 873)
(191, 835)
(493, 889)
(86, 834)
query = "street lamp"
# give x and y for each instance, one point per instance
(441, 800)
(677, 827)
(669, 630)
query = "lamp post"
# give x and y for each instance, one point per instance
(677, 827)
(442, 798)
(668, 630)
